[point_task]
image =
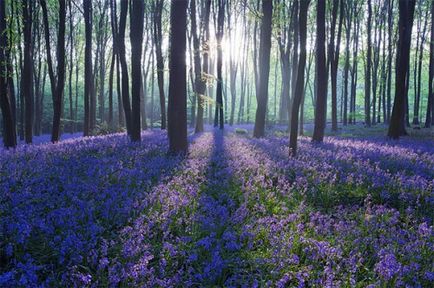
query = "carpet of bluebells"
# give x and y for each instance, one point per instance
(234, 212)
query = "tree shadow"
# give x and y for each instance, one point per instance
(216, 244)
(333, 190)
(88, 197)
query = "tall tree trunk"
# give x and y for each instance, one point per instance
(218, 119)
(177, 106)
(406, 11)
(389, 61)
(429, 108)
(6, 105)
(158, 39)
(348, 26)
(299, 85)
(334, 65)
(123, 63)
(137, 22)
(264, 69)
(368, 68)
(71, 67)
(321, 74)
(88, 79)
(199, 82)
(419, 74)
(27, 75)
(57, 85)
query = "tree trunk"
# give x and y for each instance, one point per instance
(6, 105)
(57, 85)
(299, 85)
(136, 25)
(218, 118)
(87, 9)
(177, 106)
(158, 39)
(429, 108)
(368, 69)
(321, 74)
(264, 69)
(406, 11)
(334, 65)
(27, 73)
(199, 82)
(123, 63)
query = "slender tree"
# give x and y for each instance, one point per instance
(219, 114)
(264, 66)
(158, 42)
(87, 10)
(177, 105)
(6, 101)
(368, 68)
(125, 90)
(136, 36)
(334, 62)
(429, 108)
(397, 121)
(57, 80)
(199, 81)
(321, 74)
(299, 85)
(27, 74)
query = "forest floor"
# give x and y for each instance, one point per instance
(354, 211)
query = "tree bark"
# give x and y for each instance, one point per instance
(429, 108)
(27, 73)
(123, 63)
(136, 36)
(57, 85)
(264, 66)
(219, 116)
(158, 38)
(177, 106)
(6, 101)
(87, 9)
(299, 85)
(321, 74)
(397, 121)
(368, 69)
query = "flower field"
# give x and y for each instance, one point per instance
(235, 212)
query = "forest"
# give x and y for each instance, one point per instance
(217, 143)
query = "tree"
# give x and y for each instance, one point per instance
(27, 74)
(136, 26)
(57, 79)
(368, 69)
(177, 105)
(348, 25)
(113, 25)
(158, 40)
(264, 66)
(299, 85)
(219, 116)
(321, 74)
(88, 75)
(123, 63)
(6, 98)
(199, 82)
(334, 60)
(418, 63)
(430, 104)
(397, 121)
